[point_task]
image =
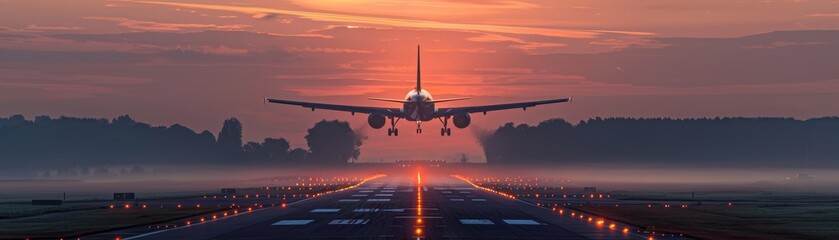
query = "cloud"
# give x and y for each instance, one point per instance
(36, 27)
(824, 15)
(166, 27)
(403, 23)
(325, 50)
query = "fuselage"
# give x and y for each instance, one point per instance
(418, 106)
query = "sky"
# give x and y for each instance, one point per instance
(197, 63)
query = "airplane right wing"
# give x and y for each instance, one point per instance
(442, 112)
(390, 112)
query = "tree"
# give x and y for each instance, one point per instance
(333, 142)
(230, 138)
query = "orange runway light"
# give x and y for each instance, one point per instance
(625, 230)
(419, 220)
(418, 231)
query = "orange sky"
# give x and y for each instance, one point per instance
(199, 62)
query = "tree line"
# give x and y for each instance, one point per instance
(666, 142)
(86, 143)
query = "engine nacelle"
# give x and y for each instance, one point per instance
(461, 120)
(376, 120)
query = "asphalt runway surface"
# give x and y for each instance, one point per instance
(393, 207)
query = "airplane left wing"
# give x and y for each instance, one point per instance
(390, 112)
(442, 112)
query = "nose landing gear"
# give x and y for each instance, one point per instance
(419, 129)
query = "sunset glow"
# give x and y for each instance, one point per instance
(197, 63)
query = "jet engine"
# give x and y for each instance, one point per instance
(376, 120)
(461, 120)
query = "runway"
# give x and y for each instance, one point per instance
(397, 206)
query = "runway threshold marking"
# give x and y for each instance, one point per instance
(349, 221)
(476, 222)
(384, 195)
(521, 222)
(366, 210)
(292, 222)
(325, 210)
(379, 200)
(360, 195)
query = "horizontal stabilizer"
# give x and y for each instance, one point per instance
(388, 100)
(449, 99)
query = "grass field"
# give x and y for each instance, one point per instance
(740, 221)
(74, 223)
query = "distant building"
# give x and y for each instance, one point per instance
(228, 191)
(125, 196)
(589, 189)
(46, 202)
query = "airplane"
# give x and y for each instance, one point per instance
(418, 106)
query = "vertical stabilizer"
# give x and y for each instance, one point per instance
(419, 86)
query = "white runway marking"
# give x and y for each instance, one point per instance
(360, 195)
(292, 222)
(456, 199)
(325, 210)
(388, 191)
(366, 210)
(465, 192)
(365, 191)
(379, 200)
(447, 191)
(394, 210)
(476, 221)
(349, 200)
(384, 195)
(521, 222)
(479, 200)
(348, 221)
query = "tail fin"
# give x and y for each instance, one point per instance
(419, 86)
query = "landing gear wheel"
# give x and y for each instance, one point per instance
(448, 131)
(419, 130)
(389, 131)
(395, 132)
(442, 131)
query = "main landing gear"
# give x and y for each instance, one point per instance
(393, 130)
(445, 131)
